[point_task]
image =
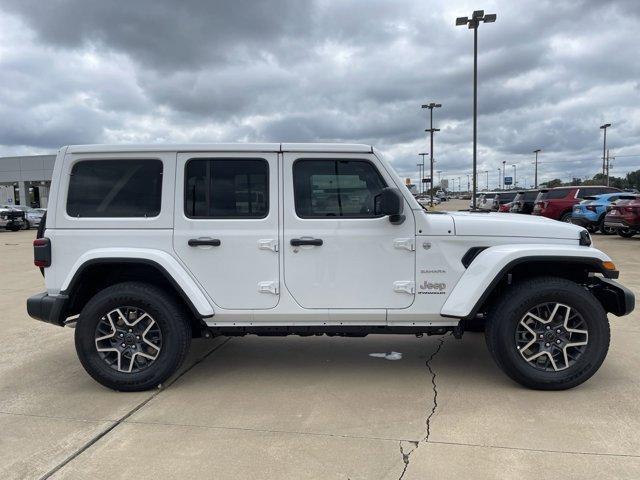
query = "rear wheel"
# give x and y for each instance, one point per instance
(132, 336)
(566, 217)
(548, 333)
(604, 229)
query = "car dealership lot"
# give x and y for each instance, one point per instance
(310, 407)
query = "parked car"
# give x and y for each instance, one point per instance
(11, 219)
(505, 208)
(557, 203)
(149, 246)
(485, 202)
(502, 198)
(524, 202)
(624, 217)
(32, 216)
(591, 211)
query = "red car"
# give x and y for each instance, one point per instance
(557, 203)
(624, 216)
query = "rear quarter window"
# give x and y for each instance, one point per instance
(115, 188)
(555, 194)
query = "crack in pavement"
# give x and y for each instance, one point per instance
(121, 420)
(406, 456)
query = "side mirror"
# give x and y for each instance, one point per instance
(390, 202)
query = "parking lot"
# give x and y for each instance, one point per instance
(267, 408)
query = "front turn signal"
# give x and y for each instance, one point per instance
(609, 265)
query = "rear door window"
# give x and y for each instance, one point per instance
(115, 188)
(226, 188)
(555, 194)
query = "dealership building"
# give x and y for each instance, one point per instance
(29, 178)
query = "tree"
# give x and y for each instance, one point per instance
(556, 182)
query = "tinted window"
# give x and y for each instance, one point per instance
(555, 194)
(227, 188)
(115, 188)
(506, 197)
(335, 188)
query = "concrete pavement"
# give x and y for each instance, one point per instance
(310, 407)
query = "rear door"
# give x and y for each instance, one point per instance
(226, 226)
(338, 253)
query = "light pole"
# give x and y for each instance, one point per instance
(604, 145)
(439, 179)
(515, 176)
(487, 172)
(504, 173)
(421, 165)
(536, 168)
(431, 131)
(499, 172)
(473, 23)
(468, 183)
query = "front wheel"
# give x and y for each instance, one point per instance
(566, 217)
(132, 336)
(626, 233)
(548, 333)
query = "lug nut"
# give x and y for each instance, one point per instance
(121, 335)
(548, 327)
(130, 330)
(541, 336)
(133, 346)
(547, 344)
(123, 345)
(558, 331)
(557, 341)
(137, 337)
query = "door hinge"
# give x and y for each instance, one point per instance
(269, 287)
(406, 243)
(268, 244)
(404, 286)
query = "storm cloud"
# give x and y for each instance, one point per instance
(84, 71)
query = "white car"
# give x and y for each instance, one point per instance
(146, 247)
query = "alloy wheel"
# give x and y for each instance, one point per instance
(551, 336)
(128, 339)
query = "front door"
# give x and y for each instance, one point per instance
(226, 226)
(337, 252)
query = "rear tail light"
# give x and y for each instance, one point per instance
(42, 252)
(591, 208)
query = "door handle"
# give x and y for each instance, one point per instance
(197, 242)
(296, 242)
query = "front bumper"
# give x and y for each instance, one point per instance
(583, 222)
(614, 297)
(47, 308)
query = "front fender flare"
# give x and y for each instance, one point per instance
(173, 270)
(490, 266)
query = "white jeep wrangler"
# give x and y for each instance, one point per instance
(146, 247)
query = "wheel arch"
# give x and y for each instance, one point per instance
(488, 276)
(91, 275)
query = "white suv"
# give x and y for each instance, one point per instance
(146, 247)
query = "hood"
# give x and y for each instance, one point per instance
(512, 225)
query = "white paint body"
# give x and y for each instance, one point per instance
(367, 272)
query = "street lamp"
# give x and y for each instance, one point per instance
(499, 172)
(536, 170)
(504, 173)
(515, 176)
(431, 130)
(604, 145)
(439, 180)
(473, 23)
(421, 165)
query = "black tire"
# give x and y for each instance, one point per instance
(566, 217)
(13, 227)
(27, 225)
(626, 233)
(506, 314)
(170, 317)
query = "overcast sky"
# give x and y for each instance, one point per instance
(550, 73)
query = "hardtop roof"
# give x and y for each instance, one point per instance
(224, 147)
